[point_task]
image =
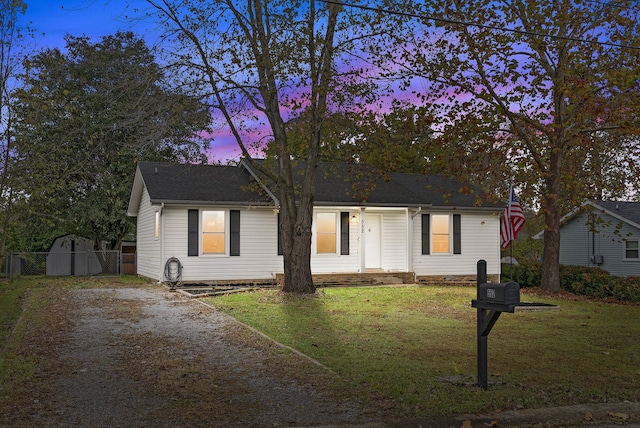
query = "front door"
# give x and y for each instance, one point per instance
(373, 241)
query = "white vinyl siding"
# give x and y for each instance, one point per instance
(258, 248)
(479, 241)
(394, 241)
(148, 247)
(258, 245)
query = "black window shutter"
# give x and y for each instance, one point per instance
(457, 235)
(234, 227)
(192, 236)
(425, 234)
(344, 233)
(279, 241)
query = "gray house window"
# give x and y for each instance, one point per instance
(631, 250)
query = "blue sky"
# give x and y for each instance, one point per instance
(51, 20)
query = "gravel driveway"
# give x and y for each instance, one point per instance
(143, 356)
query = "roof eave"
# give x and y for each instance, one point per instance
(136, 194)
(400, 205)
(217, 203)
(612, 214)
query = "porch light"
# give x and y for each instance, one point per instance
(354, 219)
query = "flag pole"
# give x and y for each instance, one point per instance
(511, 227)
(511, 261)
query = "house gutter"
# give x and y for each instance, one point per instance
(161, 238)
(227, 203)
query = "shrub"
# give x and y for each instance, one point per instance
(592, 282)
(627, 289)
(586, 281)
(527, 274)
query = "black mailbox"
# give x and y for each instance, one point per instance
(504, 293)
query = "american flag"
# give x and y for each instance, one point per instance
(512, 220)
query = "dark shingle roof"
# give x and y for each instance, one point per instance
(627, 210)
(357, 184)
(173, 182)
(337, 184)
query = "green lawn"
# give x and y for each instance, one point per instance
(407, 344)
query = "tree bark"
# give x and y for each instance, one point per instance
(295, 233)
(297, 263)
(550, 280)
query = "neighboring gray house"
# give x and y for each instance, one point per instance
(604, 234)
(221, 223)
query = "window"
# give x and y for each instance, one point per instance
(213, 232)
(326, 236)
(440, 233)
(632, 250)
(156, 229)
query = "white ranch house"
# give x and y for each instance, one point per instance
(221, 223)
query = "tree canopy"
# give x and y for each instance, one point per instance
(86, 117)
(396, 141)
(548, 92)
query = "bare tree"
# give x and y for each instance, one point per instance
(266, 61)
(10, 60)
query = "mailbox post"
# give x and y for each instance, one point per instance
(492, 300)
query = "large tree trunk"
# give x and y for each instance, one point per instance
(551, 205)
(295, 233)
(297, 263)
(551, 260)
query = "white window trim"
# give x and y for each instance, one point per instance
(450, 234)
(624, 251)
(227, 233)
(314, 242)
(156, 226)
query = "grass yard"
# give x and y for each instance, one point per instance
(407, 345)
